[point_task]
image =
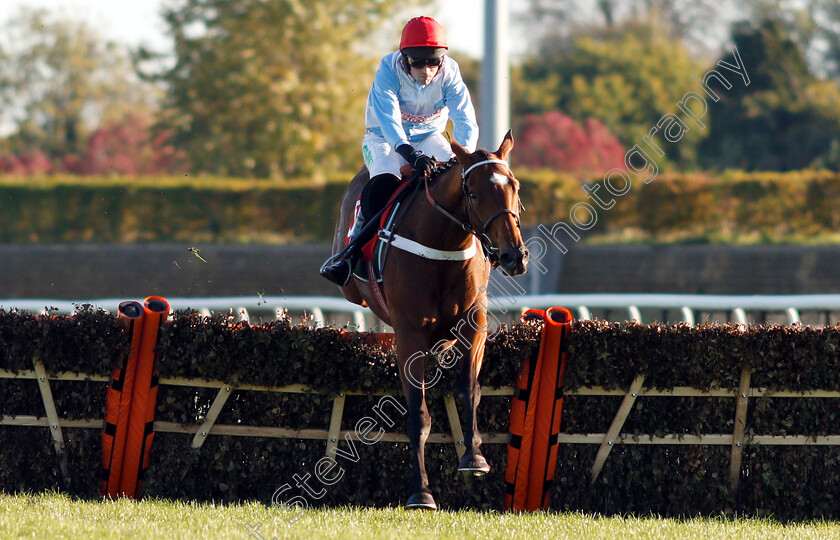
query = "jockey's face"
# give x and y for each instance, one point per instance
(425, 74)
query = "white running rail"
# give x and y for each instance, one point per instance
(629, 306)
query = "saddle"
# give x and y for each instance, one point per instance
(372, 254)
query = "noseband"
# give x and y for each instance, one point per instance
(490, 251)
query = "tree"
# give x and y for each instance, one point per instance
(824, 18)
(59, 81)
(628, 81)
(129, 146)
(553, 140)
(270, 88)
(26, 164)
(692, 21)
(785, 119)
(814, 26)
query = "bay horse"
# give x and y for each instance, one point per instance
(428, 300)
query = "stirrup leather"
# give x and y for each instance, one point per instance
(359, 222)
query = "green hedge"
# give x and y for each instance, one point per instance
(784, 482)
(730, 207)
(79, 209)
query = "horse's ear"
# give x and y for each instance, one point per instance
(505, 147)
(460, 152)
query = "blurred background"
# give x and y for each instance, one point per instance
(200, 148)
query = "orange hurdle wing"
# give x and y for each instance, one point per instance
(118, 401)
(548, 408)
(144, 400)
(518, 454)
(535, 415)
(565, 320)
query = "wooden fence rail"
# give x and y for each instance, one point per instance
(334, 432)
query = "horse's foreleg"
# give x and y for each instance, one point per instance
(469, 391)
(419, 423)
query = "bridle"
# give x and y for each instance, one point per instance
(490, 251)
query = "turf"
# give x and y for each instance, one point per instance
(54, 515)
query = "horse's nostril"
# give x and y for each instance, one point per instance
(506, 259)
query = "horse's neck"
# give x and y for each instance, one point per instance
(447, 190)
(437, 230)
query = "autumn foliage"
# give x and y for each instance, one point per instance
(555, 141)
(128, 147)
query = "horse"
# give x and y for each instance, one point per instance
(428, 300)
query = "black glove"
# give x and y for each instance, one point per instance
(419, 161)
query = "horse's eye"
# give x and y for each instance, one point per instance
(473, 196)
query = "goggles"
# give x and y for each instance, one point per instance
(421, 63)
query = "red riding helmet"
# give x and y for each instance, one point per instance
(423, 32)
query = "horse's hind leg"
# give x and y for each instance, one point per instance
(411, 355)
(469, 391)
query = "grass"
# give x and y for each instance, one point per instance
(54, 515)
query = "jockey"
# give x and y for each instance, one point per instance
(415, 91)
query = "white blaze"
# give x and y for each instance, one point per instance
(499, 179)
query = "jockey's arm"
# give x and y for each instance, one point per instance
(456, 97)
(386, 106)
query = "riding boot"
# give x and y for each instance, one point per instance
(340, 271)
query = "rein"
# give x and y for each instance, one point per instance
(490, 251)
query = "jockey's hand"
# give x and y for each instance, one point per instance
(420, 162)
(423, 163)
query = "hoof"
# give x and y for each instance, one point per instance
(421, 501)
(475, 464)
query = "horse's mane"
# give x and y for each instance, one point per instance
(444, 167)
